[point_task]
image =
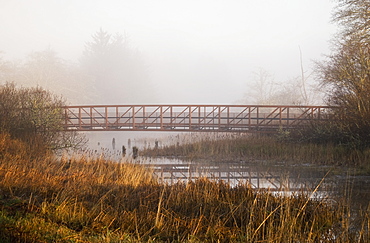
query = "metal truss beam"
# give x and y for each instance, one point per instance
(191, 118)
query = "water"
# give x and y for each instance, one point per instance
(113, 142)
(321, 181)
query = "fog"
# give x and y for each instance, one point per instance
(179, 52)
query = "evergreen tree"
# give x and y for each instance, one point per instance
(119, 73)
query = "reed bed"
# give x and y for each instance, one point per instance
(237, 147)
(104, 201)
(97, 200)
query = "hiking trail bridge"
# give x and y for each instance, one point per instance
(191, 118)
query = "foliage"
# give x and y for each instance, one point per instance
(35, 116)
(347, 73)
(11, 148)
(94, 200)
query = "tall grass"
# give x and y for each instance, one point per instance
(255, 147)
(94, 200)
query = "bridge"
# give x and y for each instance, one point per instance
(229, 172)
(191, 118)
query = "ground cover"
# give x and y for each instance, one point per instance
(95, 200)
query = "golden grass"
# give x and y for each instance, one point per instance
(94, 200)
(261, 147)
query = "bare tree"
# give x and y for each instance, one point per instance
(262, 87)
(265, 91)
(347, 72)
(354, 18)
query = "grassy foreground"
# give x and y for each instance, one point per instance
(94, 200)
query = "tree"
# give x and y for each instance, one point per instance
(119, 72)
(347, 73)
(354, 18)
(46, 69)
(265, 91)
(7, 70)
(263, 87)
(35, 116)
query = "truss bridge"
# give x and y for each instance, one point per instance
(191, 118)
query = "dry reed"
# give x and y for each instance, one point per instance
(239, 147)
(94, 200)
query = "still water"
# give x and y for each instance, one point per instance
(318, 181)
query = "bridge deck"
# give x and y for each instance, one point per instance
(220, 118)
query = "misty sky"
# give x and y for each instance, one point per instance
(197, 51)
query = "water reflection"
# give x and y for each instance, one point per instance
(330, 182)
(317, 181)
(275, 178)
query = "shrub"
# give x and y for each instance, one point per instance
(34, 116)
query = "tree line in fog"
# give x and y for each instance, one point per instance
(109, 71)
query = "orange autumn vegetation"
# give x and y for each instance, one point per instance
(94, 200)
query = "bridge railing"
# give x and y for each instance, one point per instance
(245, 118)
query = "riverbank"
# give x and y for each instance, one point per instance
(257, 148)
(94, 200)
(91, 199)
